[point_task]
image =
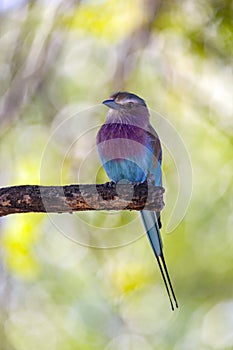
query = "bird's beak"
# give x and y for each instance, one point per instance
(111, 104)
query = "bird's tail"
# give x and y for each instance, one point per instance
(150, 222)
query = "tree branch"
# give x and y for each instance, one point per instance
(66, 199)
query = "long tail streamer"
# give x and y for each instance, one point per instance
(150, 222)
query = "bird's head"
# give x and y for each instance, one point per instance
(127, 108)
(124, 101)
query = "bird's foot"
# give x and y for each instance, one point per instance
(140, 192)
(110, 184)
(108, 191)
(140, 185)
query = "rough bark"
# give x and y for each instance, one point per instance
(63, 199)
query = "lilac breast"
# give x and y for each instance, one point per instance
(121, 141)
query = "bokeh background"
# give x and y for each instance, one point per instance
(59, 289)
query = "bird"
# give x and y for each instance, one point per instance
(130, 150)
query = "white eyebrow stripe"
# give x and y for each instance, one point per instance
(127, 100)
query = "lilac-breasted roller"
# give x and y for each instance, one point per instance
(130, 150)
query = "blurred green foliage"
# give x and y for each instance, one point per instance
(58, 61)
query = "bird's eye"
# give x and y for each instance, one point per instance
(130, 104)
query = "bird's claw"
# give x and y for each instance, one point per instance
(140, 192)
(109, 191)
